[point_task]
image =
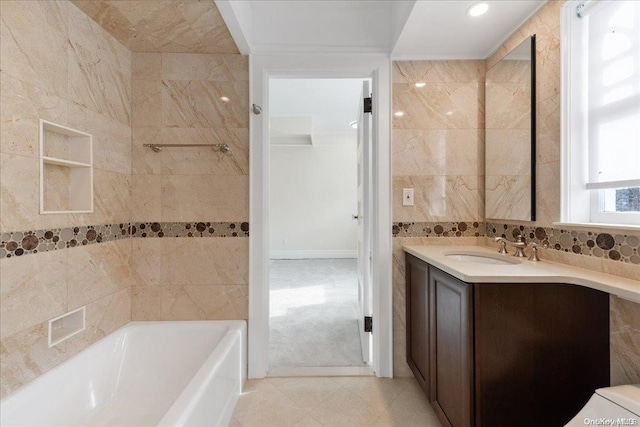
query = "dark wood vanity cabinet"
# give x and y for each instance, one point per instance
(502, 354)
(417, 321)
(451, 355)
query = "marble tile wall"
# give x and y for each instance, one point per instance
(179, 98)
(163, 25)
(438, 150)
(57, 64)
(190, 279)
(438, 142)
(578, 248)
(86, 79)
(625, 341)
(508, 130)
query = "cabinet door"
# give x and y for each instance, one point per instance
(451, 349)
(540, 351)
(417, 300)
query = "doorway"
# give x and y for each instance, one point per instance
(319, 271)
(262, 69)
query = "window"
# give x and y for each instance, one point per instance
(601, 112)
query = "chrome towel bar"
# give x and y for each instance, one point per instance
(158, 147)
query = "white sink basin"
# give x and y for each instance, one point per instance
(482, 258)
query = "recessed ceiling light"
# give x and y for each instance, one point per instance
(224, 99)
(420, 84)
(354, 125)
(478, 9)
(399, 113)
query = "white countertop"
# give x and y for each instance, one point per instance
(525, 272)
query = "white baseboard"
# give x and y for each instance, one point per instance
(312, 254)
(320, 371)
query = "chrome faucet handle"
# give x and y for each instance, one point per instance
(519, 245)
(503, 247)
(533, 256)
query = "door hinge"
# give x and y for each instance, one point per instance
(368, 324)
(367, 105)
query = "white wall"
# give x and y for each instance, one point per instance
(313, 193)
(333, 103)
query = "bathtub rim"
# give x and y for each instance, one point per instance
(234, 327)
(184, 403)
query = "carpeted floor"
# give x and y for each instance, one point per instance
(314, 313)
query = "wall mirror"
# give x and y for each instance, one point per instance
(510, 147)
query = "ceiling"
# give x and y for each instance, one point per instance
(405, 29)
(261, 26)
(189, 26)
(442, 30)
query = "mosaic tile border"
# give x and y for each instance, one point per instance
(438, 229)
(612, 246)
(616, 247)
(19, 243)
(190, 229)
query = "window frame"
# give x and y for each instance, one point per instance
(579, 205)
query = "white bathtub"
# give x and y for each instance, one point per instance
(144, 374)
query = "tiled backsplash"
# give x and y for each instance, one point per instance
(624, 247)
(20, 243)
(438, 229)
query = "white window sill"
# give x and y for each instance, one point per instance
(628, 227)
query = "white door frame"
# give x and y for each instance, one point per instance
(364, 215)
(261, 68)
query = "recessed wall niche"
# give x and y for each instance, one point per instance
(66, 169)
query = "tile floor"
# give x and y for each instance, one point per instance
(333, 401)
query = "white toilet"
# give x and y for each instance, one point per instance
(620, 404)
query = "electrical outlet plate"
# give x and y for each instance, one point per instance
(407, 197)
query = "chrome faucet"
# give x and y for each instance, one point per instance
(519, 244)
(533, 256)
